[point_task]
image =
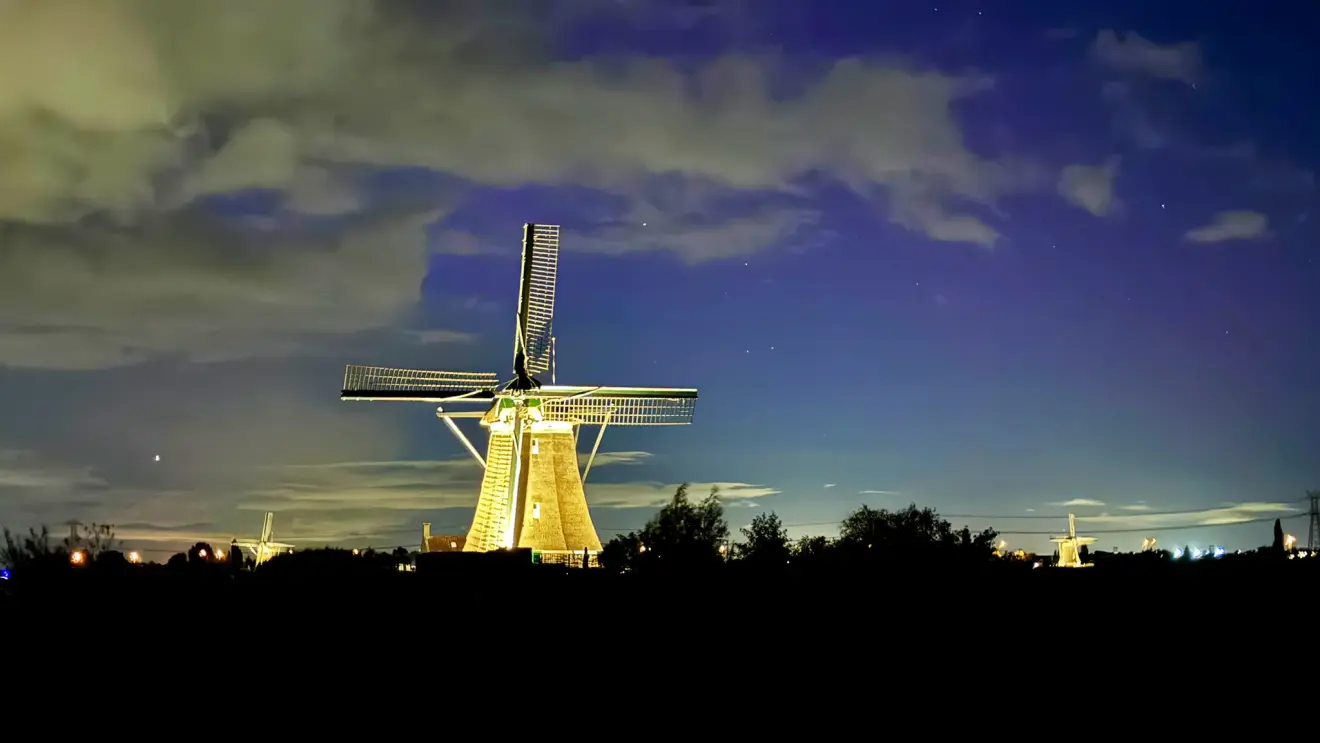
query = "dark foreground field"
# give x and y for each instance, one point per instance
(886, 628)
(889, 595)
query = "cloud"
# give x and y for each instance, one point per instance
(1090, 187)
(829, 485)
(432, 337)
(656, 494)
(1131, 53)
(1231, 225)
(23, 472)
(879, 492)
(1135, 507)
(87, 296)
(621, 457)
(1218, 516)
(1031, 510)
(1080, 502)
(115, 162)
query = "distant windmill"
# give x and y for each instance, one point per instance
(1070, 555)
(532, 492)
(263, 549)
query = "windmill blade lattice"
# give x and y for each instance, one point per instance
(540, 275)
(622, 406)
(384, 383)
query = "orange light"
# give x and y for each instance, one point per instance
(134, 557)
(78, 557)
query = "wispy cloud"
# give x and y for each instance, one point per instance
(1080, 503)
(1217, 516)
(1135, 507)
(407, 485)
(621, 457)
(1135, 54)
(1231, 225)
(432, 337)
(878, 492)
(656, 494)
(829, 484)
(25, 473)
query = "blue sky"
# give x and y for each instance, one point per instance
(991, 261)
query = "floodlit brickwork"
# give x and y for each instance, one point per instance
(488, 524)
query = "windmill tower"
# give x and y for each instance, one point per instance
(532, 492)
(1070, 555)
(1313, 533)
(263, 549)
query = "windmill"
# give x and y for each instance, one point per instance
(532, 491)
(263, 549)
(1070, 555)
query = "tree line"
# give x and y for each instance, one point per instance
(687, 535)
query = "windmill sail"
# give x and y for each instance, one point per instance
(536, 296)
(415, 385)
(620, 406)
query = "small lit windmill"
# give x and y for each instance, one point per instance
(1070, 555)
(263, 549)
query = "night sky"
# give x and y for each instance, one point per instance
(1002, 259)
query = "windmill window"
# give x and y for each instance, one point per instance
(536, 446)
(536, 510)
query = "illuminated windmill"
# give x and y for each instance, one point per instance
(1070, 555)
(263, 549)
(532, 492)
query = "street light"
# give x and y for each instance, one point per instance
(134, 557)
(78, 557)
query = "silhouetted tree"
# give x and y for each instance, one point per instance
(235, 555)
(765, 542)
(1277, 546)
(810, 548)
(680, 536)
(1084, 553)
(25, 552)
(911, 534)
(177, 560)
(93, 540)
(200, 553)
(621, 553)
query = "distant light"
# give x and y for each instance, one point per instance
(157, 457)
(1177, 553)
(1196, 553)
(4, 573)
(78, 557)
(220, 555)
(134, 557)
(355, 551)
(1220, 551)
(201, 554)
